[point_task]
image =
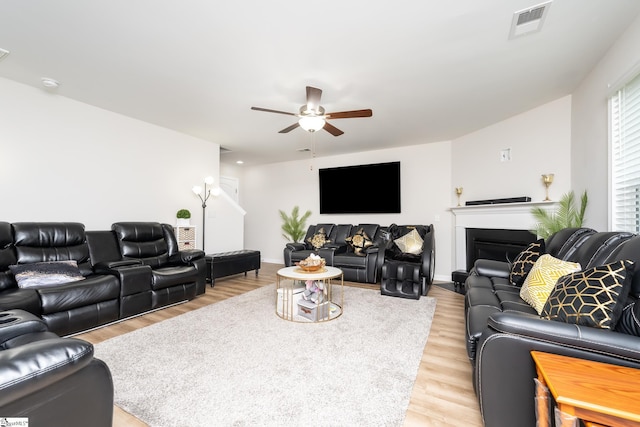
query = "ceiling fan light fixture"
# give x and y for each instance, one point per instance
(311, 123)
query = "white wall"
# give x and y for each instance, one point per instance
(63, 160)
(425, 177)
(590, 141)
(540, 143)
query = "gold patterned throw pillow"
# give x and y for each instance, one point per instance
(410, 243)
(524, 262)
(359, 242)
(543, 277)
(319, 239)
(594, 297)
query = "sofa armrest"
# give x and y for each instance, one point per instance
(189, 255)
(105, 266)
(296, 246)
(504, 369)
(427, 266)
(37, 365)
(492, 268)
(336, 248)
(583, 338)
(14, 323)
(373, 249)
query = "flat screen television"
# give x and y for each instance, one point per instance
(373, 188)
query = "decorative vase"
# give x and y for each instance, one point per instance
(182, 222)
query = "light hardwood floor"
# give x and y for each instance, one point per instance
(442, 394)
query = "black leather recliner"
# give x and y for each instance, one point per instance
(408, 275)
(67, 307)
(51, 381)
(175, 275)
(502, 329)
(297, 251)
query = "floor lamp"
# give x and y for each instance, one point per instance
(204, 196)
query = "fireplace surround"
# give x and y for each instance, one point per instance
(492, 220)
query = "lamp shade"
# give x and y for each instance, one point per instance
(311, 123)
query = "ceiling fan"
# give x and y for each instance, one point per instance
(312, 116)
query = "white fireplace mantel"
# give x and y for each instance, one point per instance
(511, 216)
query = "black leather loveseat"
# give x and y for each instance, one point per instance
(50, 381)
(99, 276)
(502, 329)
(360, 251)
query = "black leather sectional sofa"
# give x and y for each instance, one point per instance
(361, 250)
(502, 329)
(133, 268)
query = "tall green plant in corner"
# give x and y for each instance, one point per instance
(567, 215)
(294, 228)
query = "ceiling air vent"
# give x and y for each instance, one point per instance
(3, 53)
(529, 20)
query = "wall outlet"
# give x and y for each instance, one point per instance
(505, 155)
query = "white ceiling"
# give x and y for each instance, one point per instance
(429, 70)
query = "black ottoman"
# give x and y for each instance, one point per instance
(458, 278)
(401, 279)
(228, 263)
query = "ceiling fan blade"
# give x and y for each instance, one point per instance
(350, 114)
(313, 98)
(290, 128)
(332, 129)
(268, 110)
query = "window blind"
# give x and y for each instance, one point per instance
(625, 157)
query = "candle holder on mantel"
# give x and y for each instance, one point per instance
(459, 193)
(547, 179)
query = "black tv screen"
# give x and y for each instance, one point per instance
(360, 189)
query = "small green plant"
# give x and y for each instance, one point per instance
(566, 216)
(183, 214)
(294, 228)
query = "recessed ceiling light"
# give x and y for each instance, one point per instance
(3, 53)
(50, 83)
(240, 162)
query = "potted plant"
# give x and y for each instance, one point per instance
(183, 216)
(294, 228)
(565, 216)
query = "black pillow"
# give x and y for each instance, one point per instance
(629, 321)
(524, 262)
(593, 297)
(360, 241)
(319, 239)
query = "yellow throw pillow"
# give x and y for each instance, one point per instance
(410, 243)
(542, 279)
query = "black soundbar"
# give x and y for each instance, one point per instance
(498, 201)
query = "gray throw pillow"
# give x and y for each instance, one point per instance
(43, 274)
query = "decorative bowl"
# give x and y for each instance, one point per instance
(311, 267)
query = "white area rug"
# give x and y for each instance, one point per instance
(235, 363)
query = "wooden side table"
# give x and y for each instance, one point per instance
(597, 393)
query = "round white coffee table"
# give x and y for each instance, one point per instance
(292, 303)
